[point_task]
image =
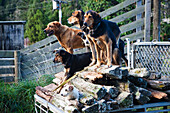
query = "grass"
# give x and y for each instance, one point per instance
(19, 97)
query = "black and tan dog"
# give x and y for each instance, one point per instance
(77, 18)
(72, 62)
(99, 31)
(67, 37)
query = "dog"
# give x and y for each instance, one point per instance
(99, 31)
(70, 92)
(72, 62)
(77, 18)
(67, 37)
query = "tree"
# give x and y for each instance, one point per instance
(35, 24)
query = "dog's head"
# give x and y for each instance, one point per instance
(76, 18)
(67, 90)
(91, 18)
(60, 55)
(52, 28)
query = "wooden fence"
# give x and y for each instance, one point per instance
(37, 59)
(138, 24)
(9, 65)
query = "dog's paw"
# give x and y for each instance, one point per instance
(92, 63)
(109, 65)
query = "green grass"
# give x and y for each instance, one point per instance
(19, 97)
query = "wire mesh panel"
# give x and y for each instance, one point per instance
(154, 56)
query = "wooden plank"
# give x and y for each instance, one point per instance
(132, 25)
(6, 75)
(129, 14)
(47, 49)
(116, 8)
(6, 62)
(147, 20)
(6, 53)
(7, 71)
(2, 67)
(134, 36)
(43, 66)
(38, 45)
(7, 59)
(48, 71)
(16, 65)
(138, 16)
(38, 60)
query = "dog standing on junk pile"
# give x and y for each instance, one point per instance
(72, 62)
(77, 18)
(99, 31)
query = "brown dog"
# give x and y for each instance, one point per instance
(66, 36)
(100, 31)
(77, 18)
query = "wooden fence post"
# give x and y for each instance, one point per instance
(138, 16)
(17, 65)
(147, 20)
(156, 19)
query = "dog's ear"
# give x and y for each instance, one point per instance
(62, 52)
(56, 50)
(82, 12)
(96, 17)
(71, 88)
(56, 24)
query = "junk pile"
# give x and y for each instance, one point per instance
(104, 89)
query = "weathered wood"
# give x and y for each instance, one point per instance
(157, 94)
(6, 75)
(38, 45)
(140, 82)
(16, 55)
(92, 76)
(138, 16)
(134, 36)
(7, 71)
(90, 88)
(140, 72)
(132, 25)
(116, 8)
(38, 53)
(154, 76)
(112, 72)
(127, 15)
(12, 37)
(6, 53)
(2, 67)
(31, 73)
(156, 19)
(125, 99)
(160, 85)
(147, 20)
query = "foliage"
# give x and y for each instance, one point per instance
(38, 13)
(19, 97)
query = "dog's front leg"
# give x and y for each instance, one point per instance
(98, 64)
(109, 53)
(93, 52)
